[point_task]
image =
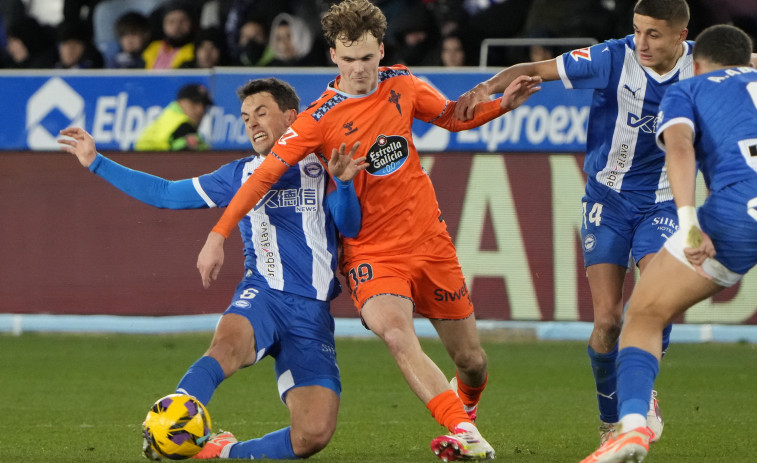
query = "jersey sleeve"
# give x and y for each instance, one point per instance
(433, 107)
(586, 67)
(217, 188)
(345, 208)
(301, 139)
(676, 107)
(150, 189)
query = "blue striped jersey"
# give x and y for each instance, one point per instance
(621, 153)
(290, 240)
(721, 109)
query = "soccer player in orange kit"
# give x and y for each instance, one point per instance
(403, 259)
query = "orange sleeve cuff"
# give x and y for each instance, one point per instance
(484, 113)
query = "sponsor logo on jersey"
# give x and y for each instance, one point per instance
(301, 199)
(647, 124)
(445, 296)
(666, 224)
(269, 258)
(581, 53)
(590, 242)
(633, 92)
(387, 154)
(349, 129)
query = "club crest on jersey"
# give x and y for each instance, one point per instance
(581, 53)
(313, 169)
(395, 98)
(387, 154)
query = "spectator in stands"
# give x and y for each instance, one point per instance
(76, 50)
(231, 15)
(31, 45)
(177, 45)
(454, 50)
(133, 32)
(210, 49)
(176, 128)
(417, 38)
(10, 11)
(292, 43)
(253, 49)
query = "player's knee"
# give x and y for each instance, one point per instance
(397, 340)
(472, 362)
(607, 330)
(229, 355)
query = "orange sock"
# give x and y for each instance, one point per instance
(468, 394)
(447, 410)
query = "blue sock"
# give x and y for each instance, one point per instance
(274, 446)
(605, 376)
(666, 338)
(202, 379)
(637, 370)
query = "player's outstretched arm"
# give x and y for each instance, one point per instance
(150, 189)
(210, 260)
(80, 144)
(466, 104)
(519, 91)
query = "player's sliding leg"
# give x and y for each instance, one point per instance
(232, 347)
(202, 379)
(460, 338)
(464, 442)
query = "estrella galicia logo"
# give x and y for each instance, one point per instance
(387, 155)
(647, 124)
(590, 242)
(313, 169)
(50, 109)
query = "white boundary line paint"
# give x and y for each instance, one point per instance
(16, 324)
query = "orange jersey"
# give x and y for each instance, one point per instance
(398, 202)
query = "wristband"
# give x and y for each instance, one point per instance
(689, 223)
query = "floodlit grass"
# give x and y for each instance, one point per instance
(82, 398)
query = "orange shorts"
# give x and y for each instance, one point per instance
(430, 276)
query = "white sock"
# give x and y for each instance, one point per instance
(632, 421)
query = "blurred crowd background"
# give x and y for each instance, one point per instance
(169, 34)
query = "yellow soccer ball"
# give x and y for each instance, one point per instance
(176, 427)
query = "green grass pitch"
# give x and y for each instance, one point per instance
(82, 398)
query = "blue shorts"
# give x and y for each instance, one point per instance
(615, 227)
(298, 332)
(732, 225)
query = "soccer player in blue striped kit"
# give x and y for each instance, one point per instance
(281, 307)
(709, 122)
(628, 210)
